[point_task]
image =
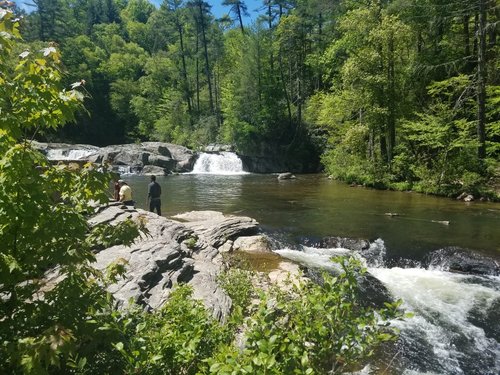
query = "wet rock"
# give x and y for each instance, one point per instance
(135, 156)
(286, 176)
(354, 244)
(466, 197)
(257, 243)
(455, 259)
(154, 170)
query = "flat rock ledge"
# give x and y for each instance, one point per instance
(183, 249)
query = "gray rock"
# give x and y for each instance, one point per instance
(217, 228)
(158, 148)
(219, 148)
(162, 161)
(257, 243)
(154, 170)
(286, 176)
(455, 259)
(344, 243)
(135, 156)
(227, 247)
(171, 252)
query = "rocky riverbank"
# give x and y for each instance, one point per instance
(139, 158)
(161, 158)
(190, 247)
(185, 249)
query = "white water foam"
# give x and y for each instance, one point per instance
(224, 163)
(312, 258)
(442, 337)
(65, 154)
(443, 303)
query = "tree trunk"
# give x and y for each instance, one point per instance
(391, 119)
(285, 91)
(187, 91)
(197, 63)
(481, 81)
(240, 19)
(207, 64)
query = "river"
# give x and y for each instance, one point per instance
(456, 327)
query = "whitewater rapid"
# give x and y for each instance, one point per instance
(455, 327)
(223, 163)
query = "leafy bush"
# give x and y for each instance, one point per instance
(48, 289)
(314, 329)
(177, 339)
(56, 316)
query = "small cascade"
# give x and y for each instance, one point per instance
(68, 154)
(224, 163)
(455, 326)
(123, 169)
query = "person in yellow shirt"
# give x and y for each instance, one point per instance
(125, 193)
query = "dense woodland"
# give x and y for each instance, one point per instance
(402, 94)
(396, 93)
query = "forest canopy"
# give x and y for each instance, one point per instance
(401, 94)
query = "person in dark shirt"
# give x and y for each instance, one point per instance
(154, 193)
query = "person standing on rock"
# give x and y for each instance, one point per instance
(125, 193)
(154, 194)
(116, 192)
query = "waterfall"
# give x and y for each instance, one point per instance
(222, 163)
(68, 154)
(455, 329)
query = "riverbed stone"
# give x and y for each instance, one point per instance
(455, 259)
(335, 242)
(257, 243)
(170, 252)
(149, 170)
(135, 156)
(286, 176)
(162, 161)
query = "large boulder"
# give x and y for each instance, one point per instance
(258, 243)
(162, 161)
(171, 252)
(217, 228)
(128, 158)
(149, 170)
(455, 259)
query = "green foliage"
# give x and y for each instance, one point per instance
(310, 329)
(30, 87)
(49, 290)
(174, 340)
(438, 150)
(238, 285)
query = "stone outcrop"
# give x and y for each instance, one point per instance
(146, 158)
(354, 244)
(258, 243)
(455, 259)
(169, 253)
(286, 176)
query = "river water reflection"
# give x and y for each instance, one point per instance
(455, 329)
(314, 206)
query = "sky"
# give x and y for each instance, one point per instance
(217, 9)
